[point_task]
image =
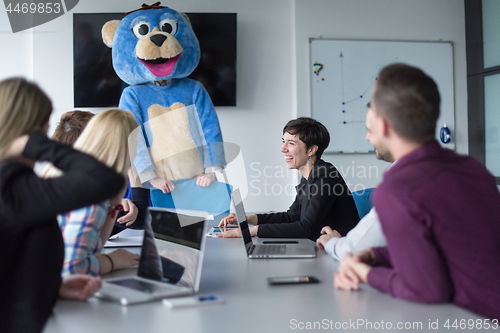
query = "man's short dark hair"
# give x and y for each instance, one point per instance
(311, 132)
(409, 100)
(71, 126)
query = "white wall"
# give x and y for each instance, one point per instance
(425, 20)
(272, 70)
(16, 54)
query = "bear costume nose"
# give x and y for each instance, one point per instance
(158, 39)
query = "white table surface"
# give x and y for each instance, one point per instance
(251, 305)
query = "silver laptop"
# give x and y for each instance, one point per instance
(170, 264)
(261, 251)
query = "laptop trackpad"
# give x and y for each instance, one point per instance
(300, 250)
(140, 285)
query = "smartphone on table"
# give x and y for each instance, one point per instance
(292, 280)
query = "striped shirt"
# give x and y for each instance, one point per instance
(81, 229)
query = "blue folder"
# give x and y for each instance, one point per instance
(214, 199)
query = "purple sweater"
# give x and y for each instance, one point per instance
(440, 213)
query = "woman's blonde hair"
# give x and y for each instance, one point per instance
(24, 107)
(106, 138)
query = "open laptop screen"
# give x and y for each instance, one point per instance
(241, 217)
(245, 233)
(177, 228)
(178, 239)
(150, 263)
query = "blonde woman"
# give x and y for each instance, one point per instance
(87, 229)
(31, 245)
(69, 128)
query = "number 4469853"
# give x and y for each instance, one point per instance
(41, 8)
(472, 324)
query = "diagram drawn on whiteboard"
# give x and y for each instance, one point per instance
(344, 73)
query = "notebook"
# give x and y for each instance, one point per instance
(260, 251)
(170, 263)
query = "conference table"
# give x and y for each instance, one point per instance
(252, 305)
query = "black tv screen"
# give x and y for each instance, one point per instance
(97, 85)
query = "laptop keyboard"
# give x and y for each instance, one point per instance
(271, 249)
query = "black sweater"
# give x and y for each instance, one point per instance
(322, 199)
(31, 245)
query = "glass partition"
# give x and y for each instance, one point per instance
(492, 122)
(491, 33)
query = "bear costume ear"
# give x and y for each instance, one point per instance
(108, 32)
(187, 18)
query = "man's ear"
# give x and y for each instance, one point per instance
(108, 32)
(384, 126)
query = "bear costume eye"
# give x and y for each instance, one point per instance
(141, 29)
(169, 26)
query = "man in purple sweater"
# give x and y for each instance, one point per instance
(439, 211)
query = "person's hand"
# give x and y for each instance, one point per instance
(205, 179)
(326, 234)
(17, 146)
(79, 287)
(132, 212)
(230, 219)
(123, 259)
(165, 185)
(352, 271)
(230, 233)
(235, 233)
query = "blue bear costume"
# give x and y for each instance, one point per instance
(154, 49)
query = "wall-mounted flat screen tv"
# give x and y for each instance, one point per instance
(97, 85)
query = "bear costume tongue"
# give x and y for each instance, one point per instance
(163, 69)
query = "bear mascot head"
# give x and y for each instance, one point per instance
(151, 44)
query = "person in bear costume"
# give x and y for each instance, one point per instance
(154, 49)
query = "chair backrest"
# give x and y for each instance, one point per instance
(363, 201)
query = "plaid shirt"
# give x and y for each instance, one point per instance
(81, 229)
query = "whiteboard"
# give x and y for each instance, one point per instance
(343, 73)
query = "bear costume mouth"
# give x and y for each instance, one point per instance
(158, 61)
(160, 67)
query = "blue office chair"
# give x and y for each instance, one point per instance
(363, 201)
